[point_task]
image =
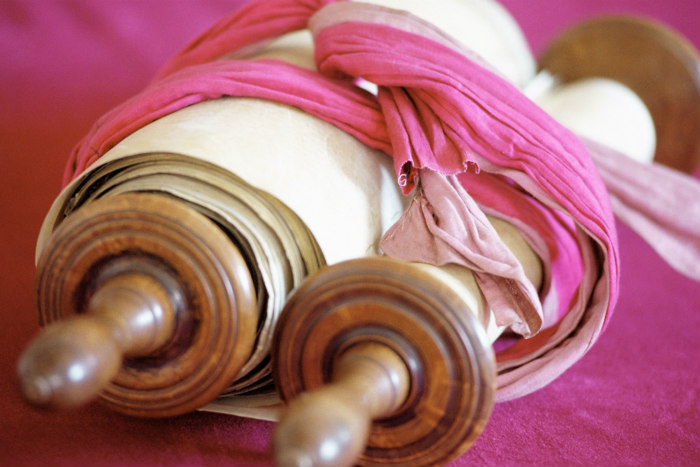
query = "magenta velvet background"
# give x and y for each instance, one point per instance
(633, 400)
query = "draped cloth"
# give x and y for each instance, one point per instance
(463, 140)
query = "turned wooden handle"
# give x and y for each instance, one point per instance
(329, 426)
(72, 360)
(146, 303)
(382, 363)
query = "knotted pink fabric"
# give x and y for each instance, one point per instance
(469, 141)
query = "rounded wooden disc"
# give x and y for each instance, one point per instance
(208, 281)
(655, 62)
(402, 306)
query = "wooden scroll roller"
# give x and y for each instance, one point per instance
(666, 79)
(390, 363)
(159, 292)
(394, 362)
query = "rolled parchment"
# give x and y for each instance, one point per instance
(293, 191)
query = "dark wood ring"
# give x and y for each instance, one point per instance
(209, 284)
(400, 305)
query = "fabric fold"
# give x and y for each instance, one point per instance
(444, 225)
(244, 30)
(661, 204)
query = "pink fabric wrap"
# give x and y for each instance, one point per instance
(661, 204)
(445, 225)
(469, 140)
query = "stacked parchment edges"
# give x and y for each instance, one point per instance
(280, 249)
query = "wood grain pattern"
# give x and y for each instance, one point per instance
(655, 62)
(398, 305)
(188, 266)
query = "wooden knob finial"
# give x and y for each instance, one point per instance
(666, 79)
(420, 327)
(131, 314)
(147, 302)
(369, 381)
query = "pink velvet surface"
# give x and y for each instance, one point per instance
(634, 399)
